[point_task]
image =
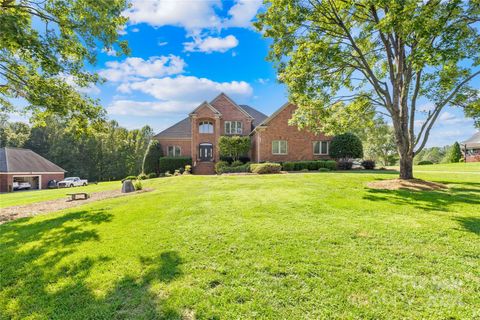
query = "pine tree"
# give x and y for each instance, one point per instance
(152, 157)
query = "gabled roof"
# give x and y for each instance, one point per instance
(273, 115)
(208, 105)
(25, 160)
(232, 102)
(258, 117)
(181, 129)
(473, 141)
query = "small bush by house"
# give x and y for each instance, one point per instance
(424, 162)
(142, 176)
(138, 185)
(129, 178)
(308, 165)
(344, 165)
(368, 164)
(346, 146)
(267, 167)
(235, 167)
(171, 164)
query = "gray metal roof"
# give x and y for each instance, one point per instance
(181, 129)
(257, 116)
(473, 141)
(25, 160)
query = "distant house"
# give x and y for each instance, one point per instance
(471, 148)
(24, 165)
(273, 139)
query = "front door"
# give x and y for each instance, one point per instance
(205, 152)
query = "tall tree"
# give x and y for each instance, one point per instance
(379, 142)
(454, 153)
(44, 47)
(377, 55)
(151, 160)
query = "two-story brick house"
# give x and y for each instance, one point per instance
(273, 139)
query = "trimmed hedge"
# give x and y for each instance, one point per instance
(224, 167)
(151, 175)
(267, 167)
(344, 165)
(171, 164)
(424, 162)
(309, 165)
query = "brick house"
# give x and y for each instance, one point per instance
(273, 139)
(24, 165)
(471, 148)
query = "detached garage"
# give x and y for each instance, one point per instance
(24, 166)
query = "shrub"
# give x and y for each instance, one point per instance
(346, 146)
(171, 164)
(344, 164)
(323, 169)
(368, 164)
(137, 185)
(177, 173)
(328, 164)
(288, 166)
(152, 158)
(142, 176)
(235, 146)
(242, 168)
(267, 167)
(151, 175)
(220, 166)
(226, 159)
(129, 178)
(188, 169)
(237, 163)
(244, 159)
(424, 162)
(454, 154)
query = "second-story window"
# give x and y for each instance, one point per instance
(205, 127)
(233, 127)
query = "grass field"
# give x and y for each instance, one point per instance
(293, 246)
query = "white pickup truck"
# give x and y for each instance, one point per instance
(21, 185)
(72, 182)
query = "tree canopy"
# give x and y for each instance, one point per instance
(151, 160)
(45, 47)
(235, 146)
(346, 146)
(342, 60)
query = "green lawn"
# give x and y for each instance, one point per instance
(32, 196)
(293, 246)
(470, 167)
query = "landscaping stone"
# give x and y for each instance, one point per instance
(127, 186)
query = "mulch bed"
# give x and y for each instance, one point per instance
(412, 184)
(33, 209)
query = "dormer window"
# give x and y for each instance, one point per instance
(233, 127)
(205, 127)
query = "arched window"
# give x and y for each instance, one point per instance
(205, 127)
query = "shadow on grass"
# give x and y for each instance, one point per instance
(471, 224)
(42, 276)
(460, 192)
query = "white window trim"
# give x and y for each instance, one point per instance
(205, 122)
(320, 148)
(174, 155)
(280, 153)
(236, 128)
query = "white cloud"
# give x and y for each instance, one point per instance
(191, 15)
(426, 107)
(211, 44)
(135, 30)
(194, 15)
(91, 89)
(263, 80)
(449, 118)
(186, 88)
(110, 52)
(135, 68)
(163, 43)
(242, 13)
(149, 108)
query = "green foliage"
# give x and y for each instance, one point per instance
(138, 185)
(323, 169)
(237, 163)
(188, 169)
(344, 60)
(221, 166)
(101, 152)
(235, 146)
(13, 134)
(45, 49)
(378, 141)
(151, 175)
(151, 160)
(344, 164)
(170, 164)
(309, 165)
(424, 162)
(142, 176)
(454, 154)
(433, 154)
(129, 178)
(346, 146)
(267, 167)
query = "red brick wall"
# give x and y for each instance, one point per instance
(300, 142)
(230, 112)
(473, 157)
(7, 179)
(184, 144)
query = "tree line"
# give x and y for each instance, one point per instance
(101, 152)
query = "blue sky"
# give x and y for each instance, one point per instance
(184, 52)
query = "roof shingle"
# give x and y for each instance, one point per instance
(25, 160)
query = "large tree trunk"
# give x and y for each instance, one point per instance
(406, 166)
